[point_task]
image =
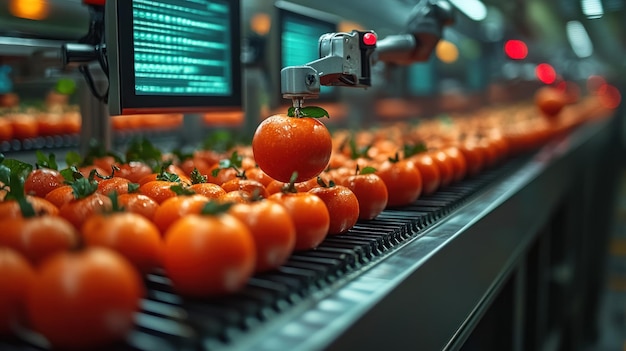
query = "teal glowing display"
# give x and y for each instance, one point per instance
(181, 47)
(173, 55)
(299, 41)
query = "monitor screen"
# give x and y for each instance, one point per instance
(173, 55)
(300, 30)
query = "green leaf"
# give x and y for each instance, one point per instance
(17, 169)
(115, 205)
(143, 150)
(394, 159)
(133, 187)
(368, 170)
(65, 86)
(84, 187)
(13, 174)
(67, 174)
(168, 177)
(414, 149)
(314, 112)
(291, 112)
(26, 207)
(181, 190)
(5, 175)
(46, 161)
(215, 207)
(219, 141)
(291, 186)
(234, 162)
(72, 158)
(95, 150)
(197, 177)
(357, 152)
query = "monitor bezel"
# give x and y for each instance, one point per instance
(123, 100)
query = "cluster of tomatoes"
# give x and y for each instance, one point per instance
(32, 124)
(75, 243)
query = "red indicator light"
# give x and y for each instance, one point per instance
(516, 49)
(545, 73)
(369, 39)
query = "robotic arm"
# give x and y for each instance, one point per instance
(345, 57)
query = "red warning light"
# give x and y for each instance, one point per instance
(516, 49)
(545, 73)
(369, 39)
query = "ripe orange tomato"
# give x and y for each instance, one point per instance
(11, 208)
(16, 278)
(283, 145)
(342, 205)
(104, 162)
(431, 177)
(177, 207)
(96, 309)
(445, 165)
(458, 161)
(24, 126)
(474, 156)
(158, 190)
(403, 182)
(77, 211)
(138, 203)
(37, 238)
(130, 234)
(133, 171)
(276, 186)
(210, 190)
(117, 184)
(208, 255)
(371, 192)
(236, 197)
(6, 129)
(49, 124)
(257, 174)
(60, 196)
(550, 100)
(249, 186)
(43, 180)
(272, 229)
(310, 217)
(223, 175)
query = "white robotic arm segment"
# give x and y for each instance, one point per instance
(345, 57)
(344, 61)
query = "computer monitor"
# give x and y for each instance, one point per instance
(298, 31)
(173, 56)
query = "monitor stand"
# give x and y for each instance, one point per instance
(96, 122)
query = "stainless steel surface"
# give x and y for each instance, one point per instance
(10, 46)
(96, 121)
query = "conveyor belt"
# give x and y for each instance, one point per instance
(53, 143)
(167, 321)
